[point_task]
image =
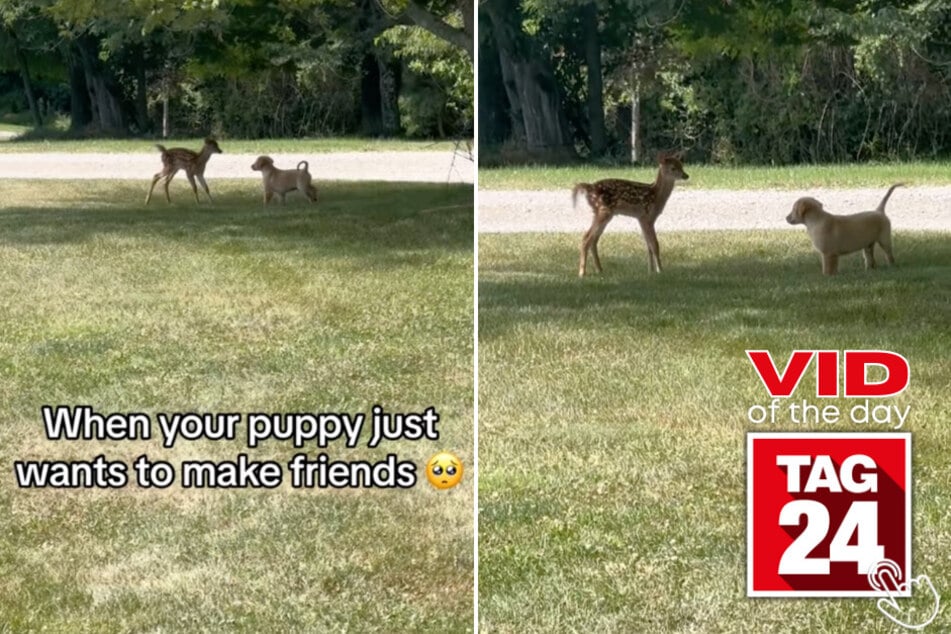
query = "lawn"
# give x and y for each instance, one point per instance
(612, 423)
(237, 146)
(792, 177)
(362, 299)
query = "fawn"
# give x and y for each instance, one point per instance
(645, 202)
(193, 163)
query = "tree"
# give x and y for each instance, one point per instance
(538, 124)
(20, 17)
(428, 15)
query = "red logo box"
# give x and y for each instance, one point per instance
(824, 508)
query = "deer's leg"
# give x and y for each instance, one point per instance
(168, 179)
(204, 185)
(594, 243)
(653, 246)
(155, 179)
(590, 242)
(191, 181)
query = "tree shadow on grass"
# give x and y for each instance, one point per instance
(749, 285)
(375, 221)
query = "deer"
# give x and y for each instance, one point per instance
(178, 158)
(614, 196)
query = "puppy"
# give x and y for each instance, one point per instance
(278, 181)
(833, 236)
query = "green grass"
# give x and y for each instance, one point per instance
(236, 146)
(612, 422)
(365, 298)
(12, 128)
(791, 177)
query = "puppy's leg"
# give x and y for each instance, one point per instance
(204, 185)
(653, 246)
(869, 253)
(830, 263)
(590, 242)
(305, 187)
(885, 241)
(268, 195)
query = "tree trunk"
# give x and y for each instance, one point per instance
(370, 122)
(538, 121)
(80, 112)
(637, 140)
(141, 101)
(103, 91)
(27, 82)
(460, 38)
(389, 96)
(165, 112)
(592, 55)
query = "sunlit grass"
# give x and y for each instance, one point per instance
(612, 422)
(364, 298)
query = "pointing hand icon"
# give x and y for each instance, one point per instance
(886, 576)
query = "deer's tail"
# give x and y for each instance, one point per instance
(881, 206)
(580, 187)
(304, 163)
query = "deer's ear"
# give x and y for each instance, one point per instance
(667, 154)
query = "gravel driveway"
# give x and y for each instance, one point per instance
(926, 208)
(435, 167)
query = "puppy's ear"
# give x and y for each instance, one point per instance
(806, 206)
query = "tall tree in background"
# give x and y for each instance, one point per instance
(19, 28)
(538, 123)
(249, 68)
(781, 81)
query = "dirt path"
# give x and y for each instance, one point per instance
(437, 167)
(925, 208)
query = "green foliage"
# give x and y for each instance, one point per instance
(756, 81)
(248, 68)
(437, 95)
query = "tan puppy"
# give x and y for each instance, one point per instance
(833, 236)
(278, 181)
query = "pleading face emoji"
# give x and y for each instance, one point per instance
(444, 470)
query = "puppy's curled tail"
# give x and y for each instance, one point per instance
(580, 187)
(881, 206)
(304, 163)
(161, 148)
